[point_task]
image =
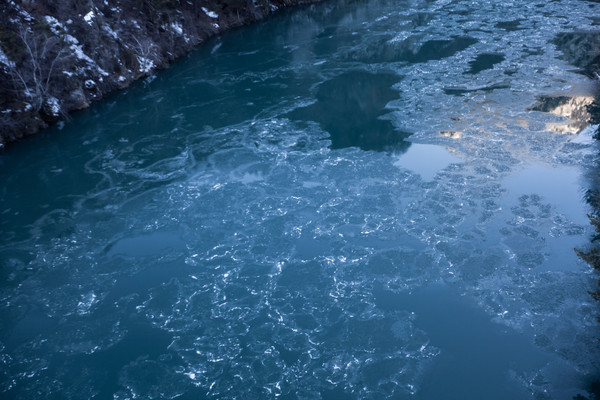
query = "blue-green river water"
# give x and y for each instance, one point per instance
(351, 200)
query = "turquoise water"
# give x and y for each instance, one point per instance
(348, 201)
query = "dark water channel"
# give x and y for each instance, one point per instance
(352, 200)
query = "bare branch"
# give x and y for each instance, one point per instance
(36, 71)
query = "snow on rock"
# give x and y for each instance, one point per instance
(54, 24)
(110, 31)
(90, 84)
(146, 65)
(176, 27)
(70, 39)
(59, 29)
(4, 59)
(211, 14)
(89, 17)
(77, 50)
(26, 16)
(134, 23)
(53, 106)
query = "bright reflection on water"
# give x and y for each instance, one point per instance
(559, 186)
(426, 160)
(366, 200)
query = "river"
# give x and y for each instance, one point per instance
(351, 200)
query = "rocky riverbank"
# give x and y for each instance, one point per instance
(58, 57)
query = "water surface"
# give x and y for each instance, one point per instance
(352, 200)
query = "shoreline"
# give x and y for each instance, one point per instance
(56, 59)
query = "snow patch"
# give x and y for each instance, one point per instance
(90, 84)
(80, 54)
(26, 16)
(54, 24)
(211, 14)
(53, 106)
(110, 31)
(89, 17)
(176, 27)
(70, 39)
(146, 65)
(59, 29)
(4, 59)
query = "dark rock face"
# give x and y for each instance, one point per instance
(59, 56)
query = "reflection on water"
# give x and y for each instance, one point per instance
(575, 109)
(410, 49)
(581, 49)
(566, 196)
(463, 340)
(460, 91)
(350, 106)
(426, 159)
(485, 61)
(590, 253)
(146, 245)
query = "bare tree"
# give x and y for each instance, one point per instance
(34, 73)
(145, 51)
